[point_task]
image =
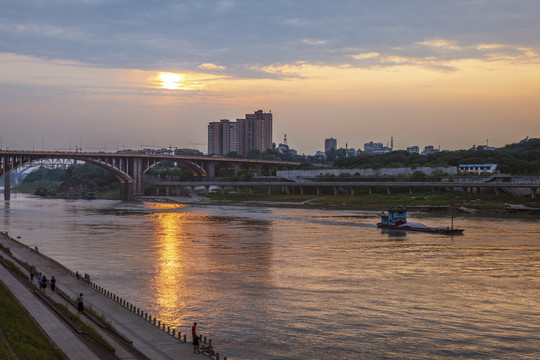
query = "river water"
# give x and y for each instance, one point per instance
(276, 283)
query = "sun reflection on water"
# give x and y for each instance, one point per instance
(170, 287)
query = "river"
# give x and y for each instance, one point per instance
(278, 283)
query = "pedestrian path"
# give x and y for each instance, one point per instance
(147, 338)
(59, 332)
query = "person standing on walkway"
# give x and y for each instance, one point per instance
(32, 273)
(39, 280)
(53, 283)
(44, 283)
(195, 339)
(80, 304)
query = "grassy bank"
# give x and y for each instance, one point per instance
(30, 188)
(20, 331)
(377, 201)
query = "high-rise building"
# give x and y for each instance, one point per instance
(330, 145)
(255, 132)
(252, 133)
(222, 137)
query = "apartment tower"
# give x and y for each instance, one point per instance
(252, 133)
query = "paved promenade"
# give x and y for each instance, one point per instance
(148, 340)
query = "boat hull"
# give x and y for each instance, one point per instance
(428, 230)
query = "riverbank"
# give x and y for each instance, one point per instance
(129, 332)
(441, 202)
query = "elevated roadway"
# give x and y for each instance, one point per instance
(350, 187)
(129, 167)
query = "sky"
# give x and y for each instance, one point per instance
(109, 75)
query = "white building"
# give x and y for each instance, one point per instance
(478, 168)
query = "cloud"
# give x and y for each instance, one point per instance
(210, 66)
(363, 56)
(244, 36)
(314, 42)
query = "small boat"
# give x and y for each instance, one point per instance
(397, 219)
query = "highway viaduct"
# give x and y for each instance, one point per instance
(129, 167)
(351, 188)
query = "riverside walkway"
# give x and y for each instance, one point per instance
(136, 337)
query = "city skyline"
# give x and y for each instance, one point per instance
(133, 74)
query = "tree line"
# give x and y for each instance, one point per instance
(522, 158)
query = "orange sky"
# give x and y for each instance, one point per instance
(448, 74)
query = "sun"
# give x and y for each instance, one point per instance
(171, 81)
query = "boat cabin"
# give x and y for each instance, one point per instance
(394, 217)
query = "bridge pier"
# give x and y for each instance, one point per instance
(7, 186)
(126, 191)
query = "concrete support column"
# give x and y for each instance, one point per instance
(210, 169)
(251, 190)
(138, 176)
(335, 190)
(369, 190)
(7, 186)
(269, 191)
(388, 190)
(166, 191)
(222, 190)
(410, 191)
(352, 191)
(126, 190)
(301, 190)
(318, 191)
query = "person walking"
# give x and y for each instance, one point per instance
(80, 303)
(53, 283)
(32, 273)
(195, 339)
(39, 280)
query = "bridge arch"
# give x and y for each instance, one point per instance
(129, 167)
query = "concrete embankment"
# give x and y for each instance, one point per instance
(130, 333)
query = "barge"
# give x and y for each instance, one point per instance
(397, 219)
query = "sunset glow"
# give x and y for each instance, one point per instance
(367, 68)
(171, 81)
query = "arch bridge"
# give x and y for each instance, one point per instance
(129, 167)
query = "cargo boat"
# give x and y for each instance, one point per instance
(397, 219)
